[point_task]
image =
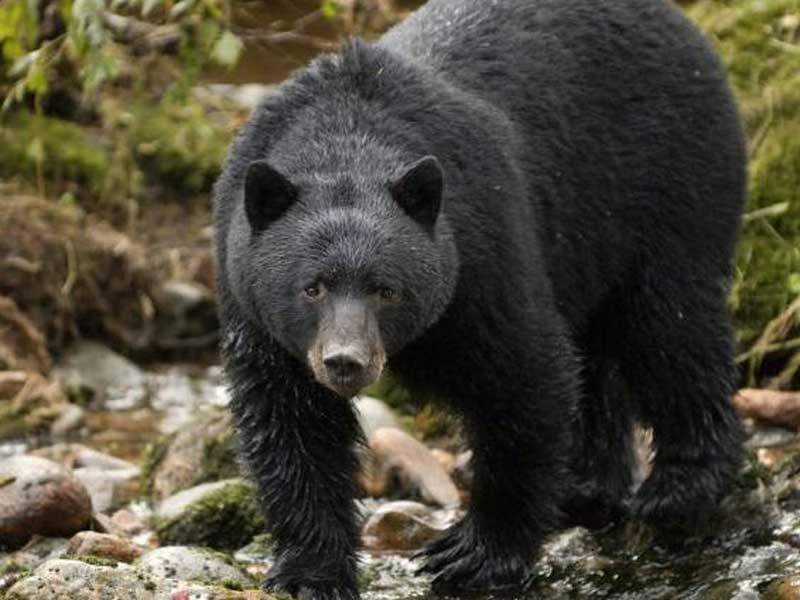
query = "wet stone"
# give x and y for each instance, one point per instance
(222, 515)
(80, 580)
(38, 496)
(786, 588)
(201, 451)
(110, 481)
(401, 526)
(17, 565)
(90, 371)
(399, 465)
(373, 414)
(103, 545)
(192, 564)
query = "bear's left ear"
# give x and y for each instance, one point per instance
(419, 191)
(267, 194)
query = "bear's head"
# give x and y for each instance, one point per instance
(344, 270)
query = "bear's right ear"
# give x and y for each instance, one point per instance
(267, 194)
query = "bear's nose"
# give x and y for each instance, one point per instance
(343, 365)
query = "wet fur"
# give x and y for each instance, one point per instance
(576, 280)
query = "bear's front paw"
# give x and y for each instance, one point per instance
(463, 564)
(310, 587)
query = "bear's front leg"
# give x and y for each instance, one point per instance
(297, 439)
(519, 433)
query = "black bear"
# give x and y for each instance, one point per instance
(526, 209)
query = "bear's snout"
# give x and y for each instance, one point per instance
(347, 355)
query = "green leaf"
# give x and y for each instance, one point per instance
(36, 81)
(227, 50)
(35, 150)
(181, 9)
(330, 9)
(794, 283)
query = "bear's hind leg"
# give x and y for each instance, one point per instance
(676, 351)
(602, 452)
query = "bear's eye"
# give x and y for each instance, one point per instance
(387, 293)
(313, 292)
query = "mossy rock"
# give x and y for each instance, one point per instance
(202, 451)
(759, 43)
(222, 515)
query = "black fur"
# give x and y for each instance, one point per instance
(570, 278)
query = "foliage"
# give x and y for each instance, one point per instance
(760, 43)
(98, 37)
(72, 152)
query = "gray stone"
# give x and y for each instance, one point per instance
(78, 580)
(374, 414)
(401, 526)
(191, 564)
(202, 450)
(89, 369)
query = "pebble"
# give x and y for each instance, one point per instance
(91, 543)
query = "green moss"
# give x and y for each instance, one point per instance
(224, 519)
(151, 458)
(219, 458)
(394, 394)
(759, 42)
(98, 561)
(180, 146)
(231, 584)
(19, 421)
(68, 152)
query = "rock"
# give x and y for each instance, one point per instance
(785, 588)
(29, 404)
(222, 515)
(204, 592)
(771, 437)
(30, 556)
(260, 550)
(770, 406)
(22, 345)
(89, 370)
(373, 414)
(204, 450)
(183, 395)
(38, 496)
(187, 313)
(462, 471)
(75, 456)
(446, 459)
(79, 580)
(191, 564)
(103, 545)
(399, 464)
(71, 419)
(401, 526)
(109, 480)
(109, 489)
(127, 522)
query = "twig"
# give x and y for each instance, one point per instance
(72, 268)
(768, 349)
